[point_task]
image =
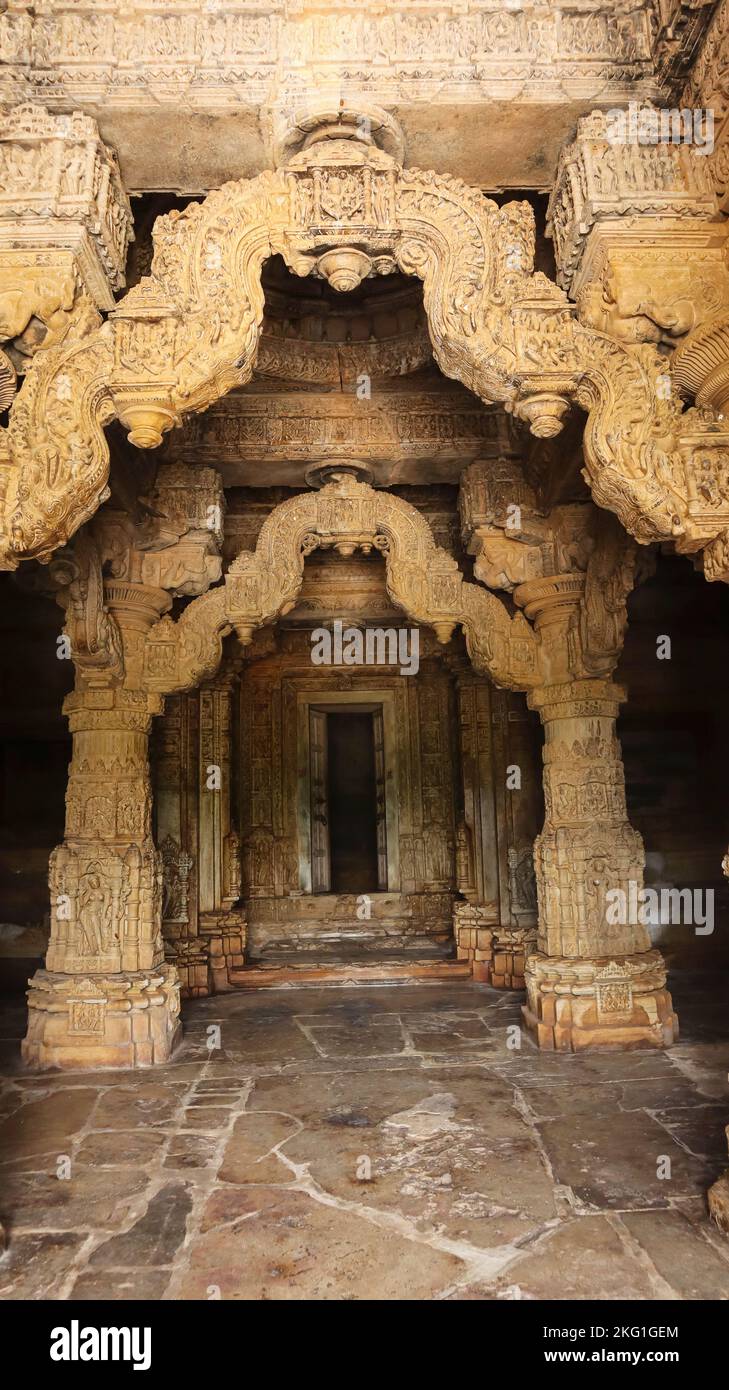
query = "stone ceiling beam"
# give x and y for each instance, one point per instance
(507, 82)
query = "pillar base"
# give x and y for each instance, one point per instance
(190, 958)
(497, 955)
(125, 1020)
(613, 1002)
(226, 934)
(510, 947)
(719, 1200)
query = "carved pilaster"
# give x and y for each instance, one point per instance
(496, 926)
(219, 856)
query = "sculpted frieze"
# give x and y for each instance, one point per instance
(131, 48)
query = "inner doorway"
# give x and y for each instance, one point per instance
(348, 804)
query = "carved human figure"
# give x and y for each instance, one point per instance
(93, 916)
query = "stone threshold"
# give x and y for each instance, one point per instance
(262, 975)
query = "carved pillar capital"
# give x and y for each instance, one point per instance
(580, 699)
(627, 192)
(60, 188)
(640, 244)
(552, 604)
(65, 226)
(92, 708)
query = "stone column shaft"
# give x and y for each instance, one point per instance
(594, 980)
(219, 854)
(106, 996)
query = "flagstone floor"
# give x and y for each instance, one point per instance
(386, 1143)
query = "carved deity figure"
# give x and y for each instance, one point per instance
(93, 916)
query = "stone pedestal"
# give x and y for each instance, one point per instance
(594, 980)
(473, 927)
(497, 954)
(510, 947)
(106, 998)
(618, 1002)
(227, 945)
(122, 1020)
(719, 1199)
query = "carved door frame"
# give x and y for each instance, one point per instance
(365, 702)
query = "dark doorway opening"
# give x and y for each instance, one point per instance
(352, 802)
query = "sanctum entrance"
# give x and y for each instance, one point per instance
(347, 803)
(360, 822)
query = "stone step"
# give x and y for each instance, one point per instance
(266, 974)
(332, 944)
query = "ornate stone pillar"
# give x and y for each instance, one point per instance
(105, 997)
(594, 980)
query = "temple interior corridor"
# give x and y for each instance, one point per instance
(364, 657)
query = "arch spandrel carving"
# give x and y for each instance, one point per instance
(422, 580)
(189, 332)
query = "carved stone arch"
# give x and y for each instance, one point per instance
(423, 580)
(189, 332)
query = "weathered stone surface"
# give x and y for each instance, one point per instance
(191, 1151)
(615, 1161)
(120, 1285)
(87, 1200)
(38, 1265)
(138, 1106)
(155, 1238)
(700, 1272)
(282, 1245)
(470, 1174)
(250, 1155)
(120, 1149)
(47, 1126)
(584, 1259)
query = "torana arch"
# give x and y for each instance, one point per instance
(262, 585)
(343, 209)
